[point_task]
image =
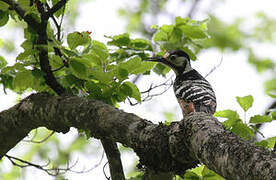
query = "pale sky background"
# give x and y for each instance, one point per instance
(233, 78)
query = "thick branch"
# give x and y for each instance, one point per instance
(22, 13)
(49, 77)
(175, 148)
(114, 159)
(41, 29)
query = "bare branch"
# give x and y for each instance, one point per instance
(108, 178)
(114, 159)
(214, 68)
(54, 171)
(193, 8)
(149, 96)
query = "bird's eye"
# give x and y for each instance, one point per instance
(173, 57)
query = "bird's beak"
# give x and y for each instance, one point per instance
(159, 58)
(156, 59)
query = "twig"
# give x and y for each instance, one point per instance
(56, 7)
(51, 171)
(150, 96)
(136, 78)
(114, 160)
(58, 68)
(104, 171)
(214, 68)
(40, 6)
(41, 141)
(192, 10)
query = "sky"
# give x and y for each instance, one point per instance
(234, 77)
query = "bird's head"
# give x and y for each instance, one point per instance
(177, 60)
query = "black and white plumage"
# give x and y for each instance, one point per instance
(193, 91)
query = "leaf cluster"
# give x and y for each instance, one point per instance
(87, 67)
(235, 124)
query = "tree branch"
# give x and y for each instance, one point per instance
(42, 42)
(22, 13)
(56, 7)
(114, 159)
(175, 148)
(193, 8)
(49, 77)
(51, 81)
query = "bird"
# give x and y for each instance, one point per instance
(193, 92)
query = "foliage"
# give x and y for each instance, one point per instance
(201, 172)
(243, 129)
(89, 67)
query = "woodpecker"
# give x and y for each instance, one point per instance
(193, 92)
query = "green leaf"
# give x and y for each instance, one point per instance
(122, 73)
(78, 68)
(242, 130)
(161, 69)
(23, 80)
(124, 91)
(258, 119)
(99, 49)
(119, 40)
(267, 143)
(131, 64)
(76, 39)
(232, 117)
(189, 175)
(39, 81)
(94, 59)
(154, 26)
(270, 87)
(198, 170)
(3, 62)
(7, 81)
(163, 33)
(245, 102)
(25, 4)
(103, 77)
(208, 174)
(193, 32)
(3, 6)
(135, 93)
(1, 41)
(94, 89)
(141, 44)
(262, 64)
(71, 81)
(144, 67)
(78, 144)
(176, 35)
(181, 21)
(191, 28)
(4, 17)
(273, 115)
(229, 114)
(169, 118)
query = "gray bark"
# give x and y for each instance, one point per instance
(175, 148)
